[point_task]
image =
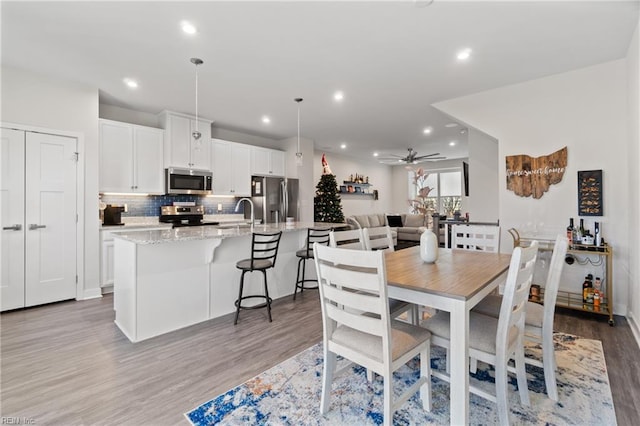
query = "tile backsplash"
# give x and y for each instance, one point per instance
(150, 205)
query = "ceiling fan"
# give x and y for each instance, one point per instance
(411, 158)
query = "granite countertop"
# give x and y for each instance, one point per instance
(190, 233)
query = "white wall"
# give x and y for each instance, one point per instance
(482, 203)
(380, 178)
(125, 115)
(585, 110)
(31, 99)
(633, 73)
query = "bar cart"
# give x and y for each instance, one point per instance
(574, 300)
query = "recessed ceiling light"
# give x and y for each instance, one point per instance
(451, 125)
(427, 130)
(375, 154)
(188, 27)
(132, 84)
(338, 96)
(343, 146)
(464, 54)
(266, 120)
(452, 143)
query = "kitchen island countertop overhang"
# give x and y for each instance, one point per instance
(168, 279)
(232, 230)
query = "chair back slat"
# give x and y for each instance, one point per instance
(353, 277)
(355, 320)
(357, 300)
(516, 292)
(351, 239)
(264, 246)
(378, 238)
(476, 237)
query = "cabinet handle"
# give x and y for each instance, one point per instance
(16, 227)
(34, 226)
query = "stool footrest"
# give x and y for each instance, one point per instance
(301, 284)
(268, 301)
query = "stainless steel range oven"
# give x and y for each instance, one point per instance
(183, 216)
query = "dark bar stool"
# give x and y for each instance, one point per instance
(320, 236)
(264, 248)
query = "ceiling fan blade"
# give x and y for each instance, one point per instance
(420, 157)
(424, 160)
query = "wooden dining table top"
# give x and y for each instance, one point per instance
(458, 274)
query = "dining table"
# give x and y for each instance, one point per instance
(455, 283)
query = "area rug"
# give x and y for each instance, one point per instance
(289, 393)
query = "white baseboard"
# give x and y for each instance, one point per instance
(92, 293)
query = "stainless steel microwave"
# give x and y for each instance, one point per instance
(188, 181)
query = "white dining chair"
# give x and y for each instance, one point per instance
(539, 318)
(350, 239)
(476, 237)
(497, 340)
(378, 238)
(357, 239)
(356, 281)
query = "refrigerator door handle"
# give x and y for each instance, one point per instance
(283, 200)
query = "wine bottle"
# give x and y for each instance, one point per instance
(581, 231)
(570, 230)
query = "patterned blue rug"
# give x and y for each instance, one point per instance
(289, 393)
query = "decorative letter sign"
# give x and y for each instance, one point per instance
(528, 176)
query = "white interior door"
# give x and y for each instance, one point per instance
(50, 218)
(12, 219)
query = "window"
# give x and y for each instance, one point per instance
(445, 196)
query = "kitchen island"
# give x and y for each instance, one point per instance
(168, 279)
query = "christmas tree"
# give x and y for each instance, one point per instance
(327, 203)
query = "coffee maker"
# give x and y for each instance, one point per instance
(112, 214)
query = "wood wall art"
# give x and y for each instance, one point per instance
(590, 193)
(532, 176)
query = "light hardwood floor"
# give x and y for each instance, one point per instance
(67, 363)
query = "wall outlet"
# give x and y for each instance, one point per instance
(219, 207)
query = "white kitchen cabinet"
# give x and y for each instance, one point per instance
(231, 168)
(181, 149)
(106, 259)
(130, 158)
(38, 187)
(267, 162)
(107, 248)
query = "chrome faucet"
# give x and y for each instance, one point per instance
(250, 203)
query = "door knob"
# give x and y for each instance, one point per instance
(33, 226)
(16, 227)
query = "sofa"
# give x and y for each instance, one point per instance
(403, 226)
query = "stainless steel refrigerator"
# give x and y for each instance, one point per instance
(274, 199)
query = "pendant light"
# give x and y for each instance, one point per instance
(196, 133)
(298, 151)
